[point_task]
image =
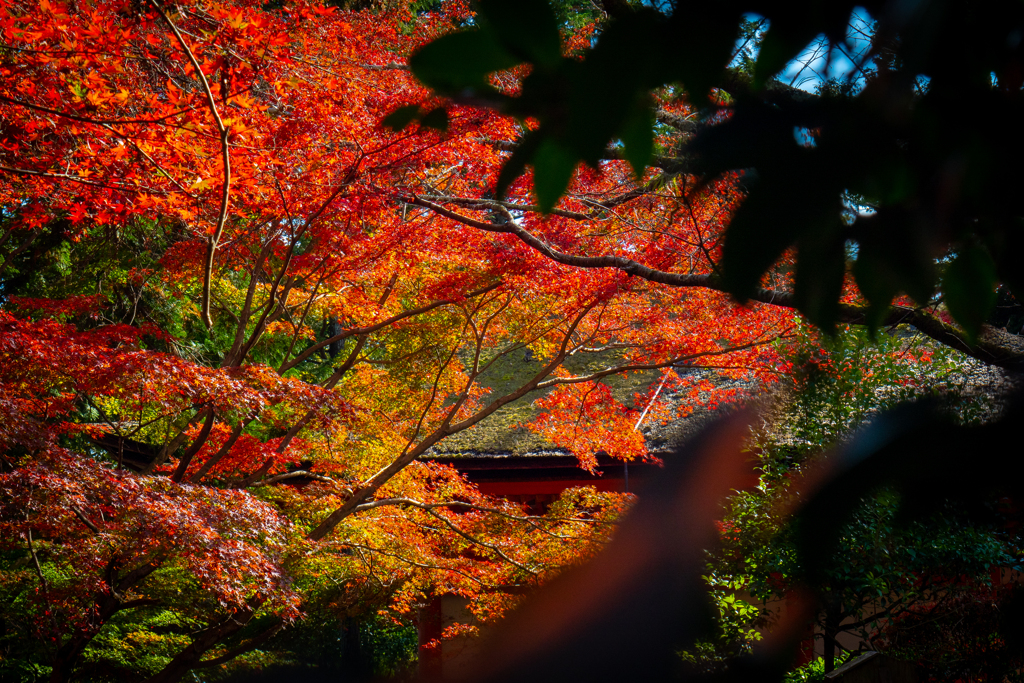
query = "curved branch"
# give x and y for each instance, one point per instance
(484, 544)
(612, 153)
(75, 179)
(532, 520)
(421, 565)
(88, 119)
(512, 206)
(243, 648)
(85, 520)
(625, 265)
(993, 347)
(297, 474)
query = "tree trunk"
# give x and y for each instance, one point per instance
(355, 663)
(188, 658)
(107, 605)
(833, 615)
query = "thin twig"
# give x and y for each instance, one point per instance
(224, 131)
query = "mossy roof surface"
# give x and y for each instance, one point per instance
(504, 433)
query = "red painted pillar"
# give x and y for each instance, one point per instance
(805, 648)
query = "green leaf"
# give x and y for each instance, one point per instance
(763, 226)
(638, 137)
(699, 45)
(874, 279)
(528, 29)
(401, 117)
(821, 265)
(553, 166)
(460, 61)
(436, 119)
(969, 288)
(516, 164)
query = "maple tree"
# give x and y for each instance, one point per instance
(237, 312)
(883, 574)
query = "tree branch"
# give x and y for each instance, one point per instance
(476, 541)
(295, 474)
(243, 648)
(625, 265)
(656, 366)
(35, 561)
(994, 346)
(369, 329)
(225, 156)
(445, 429)
(85, 520)
(529, 519)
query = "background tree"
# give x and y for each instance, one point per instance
(882, 574)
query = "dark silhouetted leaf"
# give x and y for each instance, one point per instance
(461, 60)
(638, 138)
(969, 288)
(698, 45)
(401, 117)
(527, 28)
(919, 453)
(552, 169)
(623, 615)
(768, 221)
(436, 119)
(515, 165)
(820, 268)
(875, 281)
(893, 256)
